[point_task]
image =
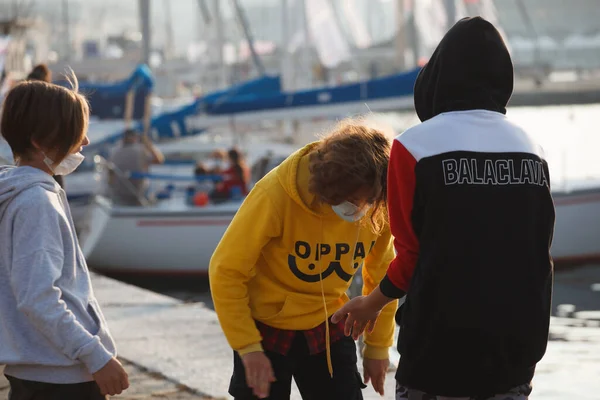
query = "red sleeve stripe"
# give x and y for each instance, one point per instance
(401, 191)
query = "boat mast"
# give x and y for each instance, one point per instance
(287, 68)
(352, 45)
(169, 44)
(248, 35)
(144, 9)
(220, 43)
(67, 28)
(400, 38)
(534, 35)
(450, 13)
(306, 49)
(288, 71)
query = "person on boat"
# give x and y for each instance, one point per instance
(135, 155)
(203, 182)
(41, 72)
(472, 216)
(287, 259)
(235, 178)
(54, 339)
(218, 161)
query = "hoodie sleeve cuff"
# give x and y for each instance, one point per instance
(253, 348)
(376, 353)
(389, 289)
(96, 357)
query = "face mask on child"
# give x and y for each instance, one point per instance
(349, 211)
(66, 166)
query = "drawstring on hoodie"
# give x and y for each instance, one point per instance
(327, 334)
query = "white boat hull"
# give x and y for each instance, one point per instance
(577, 228)
(179, 240)
(155, 241)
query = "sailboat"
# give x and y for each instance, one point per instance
(173, 237)
(149, 239)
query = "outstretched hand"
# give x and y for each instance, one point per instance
(360, 314)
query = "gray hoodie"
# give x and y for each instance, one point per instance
(51, 327)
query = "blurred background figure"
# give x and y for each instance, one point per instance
(40, 72)
(135, 155)
(218, 160)
(204, 182)
(235, 179)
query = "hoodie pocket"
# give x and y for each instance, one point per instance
(278, 313)
(92, 310)
(297, 306)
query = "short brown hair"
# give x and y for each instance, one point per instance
(351, 158)
(53, 117)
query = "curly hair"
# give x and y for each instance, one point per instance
(352, 159)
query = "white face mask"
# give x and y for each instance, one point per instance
(349, 211)
(66, 166)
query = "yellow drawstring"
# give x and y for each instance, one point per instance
(327, 343)
(327, 334)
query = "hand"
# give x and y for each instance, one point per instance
(112, 378)
(375, 371)
(259, 373)
(145, 139)
(361, 315)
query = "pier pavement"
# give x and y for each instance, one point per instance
(176, 350)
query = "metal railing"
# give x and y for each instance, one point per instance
(122, 177)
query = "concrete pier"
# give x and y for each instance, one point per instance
(144, 386)
(177, 350)
(183, 341)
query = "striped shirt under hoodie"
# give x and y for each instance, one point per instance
(472, 215)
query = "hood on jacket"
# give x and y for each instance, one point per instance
(14, 180)
(470, 69)
(294, 175)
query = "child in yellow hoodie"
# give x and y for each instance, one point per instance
(287, 259)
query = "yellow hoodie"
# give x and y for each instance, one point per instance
(268, 263)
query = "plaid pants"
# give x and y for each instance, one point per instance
(519, 393)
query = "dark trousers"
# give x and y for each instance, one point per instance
(309, 371)
(29, 390)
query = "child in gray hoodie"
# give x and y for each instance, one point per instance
(53, 337)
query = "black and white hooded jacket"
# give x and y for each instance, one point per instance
(472, 215)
